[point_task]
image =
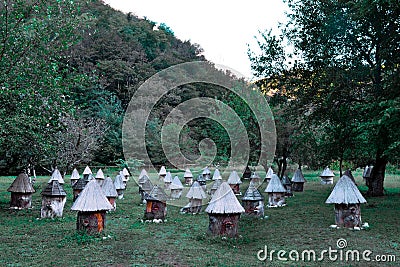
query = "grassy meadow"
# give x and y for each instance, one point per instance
(27, 240)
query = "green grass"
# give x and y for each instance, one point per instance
(26, 240)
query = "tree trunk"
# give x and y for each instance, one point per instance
(284, 166)
(341, 166)
(375, 182)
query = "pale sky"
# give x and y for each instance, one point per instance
(222, 28)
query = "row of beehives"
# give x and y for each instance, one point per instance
(224, 208)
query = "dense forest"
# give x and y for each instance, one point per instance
(70, 70)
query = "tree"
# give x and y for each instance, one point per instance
(34, 82)
(344, 74)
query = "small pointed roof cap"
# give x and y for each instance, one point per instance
(252, 193)
(119, 182)
(163, 171)
(91, 198)
(75, 175)
(157, 194)
(100, 175)
(275, 185)
(143, 173)
(125, 172)
(206, 171)
(224, 201)
(269, 173)
(56, 175)
(188, 173)
(345, 192)
(168, 178)
(109, 188)
(21, 184)
(327, 173)
(176, 183)
(217, 175)
(298, 177)
(87, 170)
(234, 178)
(196, 192)
(54, 188)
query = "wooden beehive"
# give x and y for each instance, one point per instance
(195, 195)
(234, 182)
(347, 199)
(224, 212)
(214, 187)
(167, 180)
(156, 204)
(253, 201)
(79, 186)
(56, 175)
(247, 173)
(298, 181)
(276, 192)
(188, 177)
(327, 176)
(53, 200)
(92, 206)
(21, 192)
(268, 175)
(176, 188)
(162, 173)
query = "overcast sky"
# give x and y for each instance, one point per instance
(222, 28)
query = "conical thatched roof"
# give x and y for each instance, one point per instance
(100, 175)
(247, 172)
(163, 171)
(143, 179)
(143, 173)
(119, 182)
(56, 175)
(124, 178)
(54, 188)
(286, 180)
(216, 184)
(234, 178)
(87, 170)
(269, 173)
(21, 184)
(168, 178)
(196, 192)
(91, 198)
(216, 175)
(147, 186)
(188, 173)
(75, 175)
(80, 184)
(125, 172)
(252, 193)
(298, 177)
(206, 171)
(327, 173)
(275, 185)
(345, 192)
(224, 201)
(157, 194)
(109, 188)
(176, 183)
